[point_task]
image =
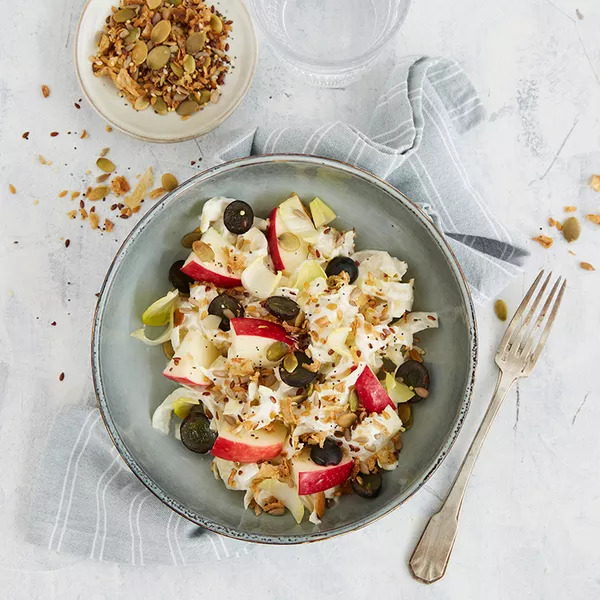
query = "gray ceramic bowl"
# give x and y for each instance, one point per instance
(127, 374)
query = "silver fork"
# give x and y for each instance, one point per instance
(517, 354)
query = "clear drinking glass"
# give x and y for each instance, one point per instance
(329, 42)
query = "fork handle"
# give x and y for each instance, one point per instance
(431, 555)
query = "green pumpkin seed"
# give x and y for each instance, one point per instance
(176, 69)
(139, 52)
(123, 15)
(571, 229)
(186, 108)
(174, 2)
(195, 42)
(346, 420)
(289, 241)
(168, 349)
(189, 64)
(160, 106)
(203, 251)
(204, 96)
(98, 193)
(153, 4)
(216, 24)
(141, 103)
(290, 362)
(187, 241)
(108, 166)
(277, 351)
(132, 36)
(353, 400)
(501, 310)
(169, 182)
(158, 57)
(405, 414)
(160, 32)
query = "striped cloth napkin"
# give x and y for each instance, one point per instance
(413, 142)
(86, 501)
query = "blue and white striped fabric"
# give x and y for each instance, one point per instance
(87, 502)
(413, 142)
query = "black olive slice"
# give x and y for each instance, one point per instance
(342, 263)
(238, 217)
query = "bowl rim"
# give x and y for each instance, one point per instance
(130, 460)
(148, 138)
(334, 65)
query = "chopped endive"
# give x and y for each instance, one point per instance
(309, 270)
(161, 419)
(296, 218)
(159, 312)
(284, 493)
(398, 392)
(183, 406)
(321, 213)
(156, 315)
(259, 280)
(337, 341)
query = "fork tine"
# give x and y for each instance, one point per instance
(548, 327)
(517, 316)
(531, 338)
(524, 332)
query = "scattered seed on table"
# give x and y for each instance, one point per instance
(61, 377)
(53, 323)
(63, 193)
(67, 243)
(12, 188)
(45, 91)
(25, 135)
(53, 133)
(586, 266)
(77, 106)
(84, 134)
(108, 128)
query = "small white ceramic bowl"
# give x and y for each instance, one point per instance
(147, 125)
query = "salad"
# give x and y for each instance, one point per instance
(295, 355)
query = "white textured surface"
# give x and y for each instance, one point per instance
(531, 516)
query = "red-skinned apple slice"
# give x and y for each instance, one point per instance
(371, 393)
(214, 271)
(248, 446)
(311, 478)
(194, 353)
(252, 337)
(283, 260)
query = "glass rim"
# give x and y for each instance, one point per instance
(333, 65)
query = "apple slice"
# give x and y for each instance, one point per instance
(249, 446)
(283, 260)
(252, 337)
(371, 393)
(311, 478)
(194, 353)
(213, 271)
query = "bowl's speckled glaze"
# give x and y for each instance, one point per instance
(127, 374)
